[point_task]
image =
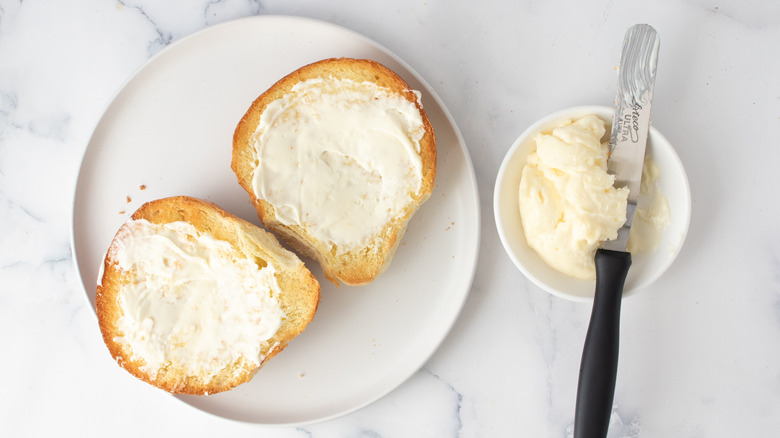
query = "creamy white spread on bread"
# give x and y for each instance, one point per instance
(568, 204)
(192, 300)
(340, 158)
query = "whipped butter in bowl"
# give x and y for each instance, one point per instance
(554, 204)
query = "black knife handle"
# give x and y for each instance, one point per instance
(598, 369)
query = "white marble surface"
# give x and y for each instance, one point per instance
(699, 349)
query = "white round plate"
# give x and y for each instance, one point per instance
(169, 131)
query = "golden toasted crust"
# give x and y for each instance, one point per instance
(355, 267)
(299, 297)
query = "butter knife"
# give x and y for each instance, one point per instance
(630, 125)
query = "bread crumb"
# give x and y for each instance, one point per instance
(129, 199)
(142, 187)
(301, 375)
(122, 212)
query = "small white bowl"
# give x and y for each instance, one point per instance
(645, 268)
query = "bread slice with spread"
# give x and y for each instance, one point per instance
(336, 157)
(194, 300)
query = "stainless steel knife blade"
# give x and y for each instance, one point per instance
(631, 121)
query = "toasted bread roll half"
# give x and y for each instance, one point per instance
(336, 157)
(194, 300)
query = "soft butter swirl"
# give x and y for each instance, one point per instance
(568, 203)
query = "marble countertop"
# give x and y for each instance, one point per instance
(699, 348)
